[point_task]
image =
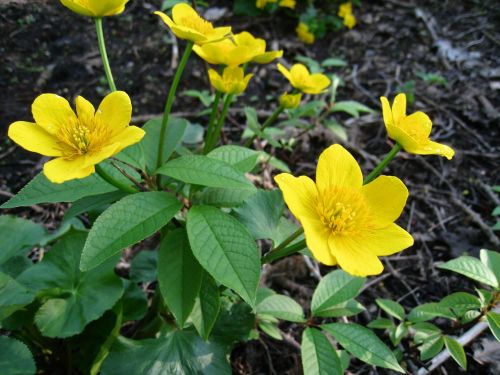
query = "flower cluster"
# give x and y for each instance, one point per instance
(345, 12)
(304, 33)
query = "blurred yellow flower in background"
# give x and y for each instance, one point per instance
(302, 80)
(96, 8)
(238, 49)
(261, 4)
(288, 4)
(233, 80)
(304, 34)
(187, 24)
(344, 222)
(290, 101)
(345, 12)
(77, 141)
(411, 132)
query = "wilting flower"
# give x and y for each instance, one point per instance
(239, 49)
(302, 80)
(77, 141)
(96, 8)
(304, 33)
(290, 101)
(288, 4)
(261, 4)
(187, 24)
(344, 222)
(233, 80)
(345, 12)
(411, 132)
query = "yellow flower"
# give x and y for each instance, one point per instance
(96, 8)
(345, 9)
(304, 34)
(411, 132)
(77, 141)
(290, 101)
(344, 222)
(350, 21)
(261, 4)
(302, 80)
(288, 4)
(187, 24)
(239, 49)
(233, 80)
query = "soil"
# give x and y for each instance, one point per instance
(45, 48)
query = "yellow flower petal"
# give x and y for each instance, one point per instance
(91, 159)
(337, 167)
(317, 83)
(316, 235)
(182, 13)
(129, 136)
(77, 8)
(386, 196)
(52, 111)
(267, 57)
(300, 195)
(284, 71)
(84, 109)
(299, 74)
(166, 19)
(433, 148)
(389, 240)
(115, 110)
(106, 7)
(353, 256)
(417, 124)
(399, 108)
(188, 33)
(60, 170)
(34, 138)
(216, 80)
(387, 112)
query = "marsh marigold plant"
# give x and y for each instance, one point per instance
(344, 222)
(77, 141)
(96, 8)
(300, 78)
(411, 132)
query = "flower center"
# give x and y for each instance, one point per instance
(198, 24)
(82, 135)
(343, 211)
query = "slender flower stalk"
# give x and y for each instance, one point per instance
(104, 55)
(380, 167)
(170, 101)
(211, 122)
(271, 119)
(216, 133)
(111, 180)
(283, 252)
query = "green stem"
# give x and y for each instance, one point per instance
(380, 167)
(268, 122)
(213, 115)
(277, 254)
(111, 180)
(216, 133)
(170, 101)
(104, 55)
(278, 249)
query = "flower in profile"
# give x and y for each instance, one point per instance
(344, 222)
(345, 12)
(239, 49)
(233, 80)
(96, 8)
(288, 4)
(302, 80)
(290, 101)
(77, 141)
(411, 132)
(304, 33)
(261, 4)
(187, 24)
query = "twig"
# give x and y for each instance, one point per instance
(313, 267)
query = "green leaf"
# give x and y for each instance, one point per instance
(351, 107)
(423, 331)
(173, 136)
(207, 306)
(431, 347)
(428, 311)
(392, 308)
(318, 355)
(460, 303)
(242, 158)
(178, 353)
(41, 190)
(381, 323)
(254, 127)
(456, 350)
(333, 61)
(345, 360)
(473, 268)
(125, 223)
(143, 266)
(205, 171)
(13, 296)
(234, 324)
(21, 234)
(347, 308)
(133, 155)
(261, 214)
(493, 319)
(363, 344)
(179, 274)
(224, 197)
(336, 128)
(398, 333)
(225, 250)
(93, 202)
(135, 302)
(15, 357)
(203, 96)
(193, 136)
(73, 298)
(270, 329)
(336, 287)
(281, 307)
(491, 259)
